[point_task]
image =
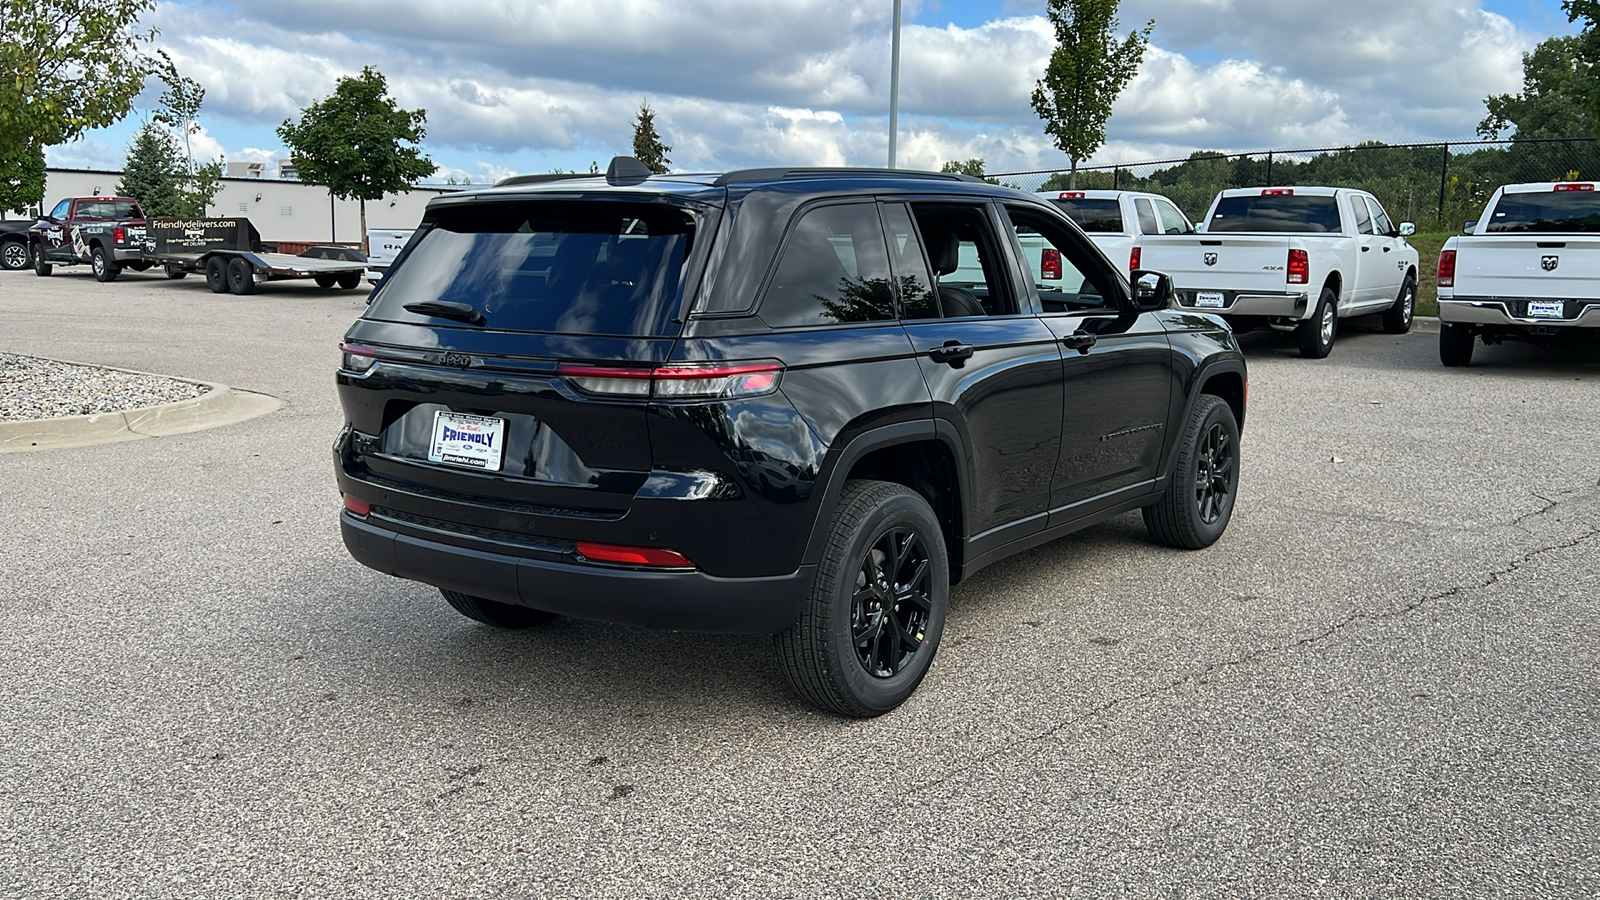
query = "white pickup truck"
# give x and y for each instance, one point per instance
(1529, 270)
(383, 245)
(1117, 221)
(1295, 259)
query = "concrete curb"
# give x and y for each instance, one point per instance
(219, 405)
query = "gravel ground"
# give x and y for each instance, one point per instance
(33, 388)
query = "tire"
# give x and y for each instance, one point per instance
(1397, 318)
(1316, 334)
(350, 281)
(1455, 345)
(217, 275)
(14, 256)
(325, 282)
(1205, 480)
(865, 638)
(241, 277)
(493, 612)
(105, 268)
(40, 267)
(174, 273)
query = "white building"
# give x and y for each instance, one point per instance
(280, 210)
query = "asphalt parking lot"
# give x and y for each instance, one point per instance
(1382, 682)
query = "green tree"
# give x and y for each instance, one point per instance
(359, 142)
(647, 145)
(972, 167)
(66, 66)
(180, 104)
(1087, 70)
(1552, 103)
(21, 179)
(153, 172)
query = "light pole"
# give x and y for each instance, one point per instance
(894, 83)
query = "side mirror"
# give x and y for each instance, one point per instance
(1407, 229)
(1151, 290)
(33, 211)
(1470, 227)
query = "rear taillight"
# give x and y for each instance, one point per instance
(1133, 259)
(654, 557)
(1299, 267)
(357, 358)
(1447, 269)
(682, 382)
(1574, 187)
(1050, 264)
(119, 236)
(357, 507)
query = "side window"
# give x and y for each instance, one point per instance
(834, 270)
(969, 272)
(1147, 217)
(917, 297)
(1363, 217)
(60, 212)
(1380, 219)
(1172, 221)
(1059, 266)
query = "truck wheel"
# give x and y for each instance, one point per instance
(174, 273)
(493, 612)
(1316, 333)
(1205, 480)
(241, 277)
(13, 256)
(1397, 318)
(1455, 345)
(217, 275)
(349, 281)
(326, 282)
(40, 267)
(105, 268)
(871, 625)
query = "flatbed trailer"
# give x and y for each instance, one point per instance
(230, 254)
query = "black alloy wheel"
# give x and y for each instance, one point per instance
(1213, 477)
(1196, 509)
(891, 607)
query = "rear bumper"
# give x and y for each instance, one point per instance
(1498, 312)
(686, 600)
(1235, 303)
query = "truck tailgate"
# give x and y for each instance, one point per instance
(1550, 266)
(1239, 263)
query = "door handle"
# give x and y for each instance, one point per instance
(1080, 341)
(1366, 249)
(1387, 249)
(953, 352)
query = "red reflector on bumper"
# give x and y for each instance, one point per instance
(633, 556)
(358, 507)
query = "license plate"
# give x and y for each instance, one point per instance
(472, 442)
(1546, 309)
(1209, 299)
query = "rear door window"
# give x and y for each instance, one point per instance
(834, 270)
(1147, 217)
(1363, 215)
(563, 267)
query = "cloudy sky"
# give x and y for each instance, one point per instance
(532, 85)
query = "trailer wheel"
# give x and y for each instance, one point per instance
(324, 281)
(241, 277)
(217, 275)
(349, 281)
(174, 273)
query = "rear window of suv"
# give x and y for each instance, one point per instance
(1553, 211)
(1093, 215)
(565, 267)
(1278, 212)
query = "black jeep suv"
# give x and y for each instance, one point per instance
(803, 402)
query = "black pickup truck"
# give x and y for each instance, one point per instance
(105, 232)
(14, 243)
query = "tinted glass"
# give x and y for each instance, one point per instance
(834, 269)
(1172, 221)
(1056, 263)
(1380, 219)
(1363, 216)
(597, 267)
(1147, 217)
(108, 209)
(1275, 213)
(917, 300)
(1093, 215)
(1547, 211)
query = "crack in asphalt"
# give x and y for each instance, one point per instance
(1202, 675)
(1548, 505)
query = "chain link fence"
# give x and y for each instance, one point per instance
(1438, 186)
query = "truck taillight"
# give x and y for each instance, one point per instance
(1299, 267)
(1278, 192)
(1574, 187)
(1050, 264)
(119, 236)
(1133, 259)
(1070, 195)
(679, 382)
(1447, 269)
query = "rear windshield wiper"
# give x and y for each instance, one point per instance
(446, 309)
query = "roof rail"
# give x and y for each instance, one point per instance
(539, 179)
(758, 176)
